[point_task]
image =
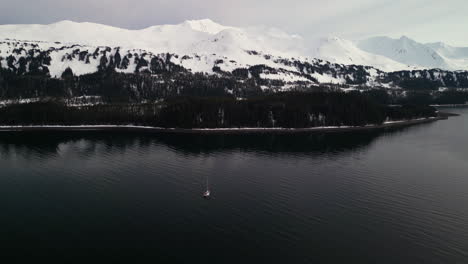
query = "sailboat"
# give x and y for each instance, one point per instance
(207, 193)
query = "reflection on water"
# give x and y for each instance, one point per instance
(42, 144)
(370, 197)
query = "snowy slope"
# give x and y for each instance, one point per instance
(449, 51)
(199, 36)
(204, 41)
(204, 44)
(406, 51)
(343, 51)
(457, 57)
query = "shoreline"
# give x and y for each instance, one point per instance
(449, 105)
(132, 128)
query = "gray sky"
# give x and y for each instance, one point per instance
(423, 20)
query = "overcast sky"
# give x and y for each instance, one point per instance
(423, 20)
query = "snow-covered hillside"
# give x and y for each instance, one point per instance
(205, 46)
(189, 37)
(404, 50)
(343, 51)
(200, 43)
(457, 57)
(410, 52)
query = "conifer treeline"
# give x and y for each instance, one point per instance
(288, 110)
(116, 87)
(423, 97)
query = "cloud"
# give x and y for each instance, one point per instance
(424, 20)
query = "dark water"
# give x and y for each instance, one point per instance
(386, 197)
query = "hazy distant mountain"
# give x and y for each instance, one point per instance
(343, 51)
(410, 52)
(456, 56)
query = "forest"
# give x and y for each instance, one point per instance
(282, 110)
(163, 94)
(156, 77)
(417, 97)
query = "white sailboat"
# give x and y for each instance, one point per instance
(207, 193)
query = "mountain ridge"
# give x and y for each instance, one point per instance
(406, 51)
(270, 60)
(208, 37)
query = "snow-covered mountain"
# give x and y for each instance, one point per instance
(343, 51)
(189, 37)
(456, 56)
(404, 50)
(201, 43)
(410, 52)
(449, 51)
(206, 46)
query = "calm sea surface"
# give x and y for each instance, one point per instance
(369, 197)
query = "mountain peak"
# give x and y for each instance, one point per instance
(406, 51)
(205, 36)
(205, 25)
(201, 21)
(407, 39)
